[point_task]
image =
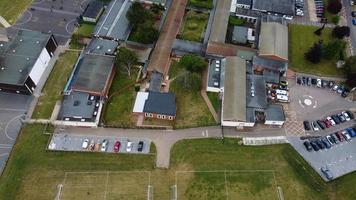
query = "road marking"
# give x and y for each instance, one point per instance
(7, 125)
(9, 109)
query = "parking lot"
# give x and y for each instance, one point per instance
(12, 111)
(65, 142)
(57, 17)
(340, 158)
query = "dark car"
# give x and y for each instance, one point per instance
(321, 124)
(353, 13)
(299, 80)
(327, 173)
(336, 119)
(309, 81)
(140, 146)
(335, 139)
(350, 114)
(304, 80)
(340, 136)
(308, 146)
(306, 125)
(313, 81)
(315, 146)
(342, 118)
(320, 144)
(326, 143)
(331, 84)
(340, 90)
(345, 92)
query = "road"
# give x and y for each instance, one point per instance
(348, 10)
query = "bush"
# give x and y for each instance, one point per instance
(334, 49)
(236, 21)
(341, 31)
(193, 63)
(334, 6)
(188, 82)
(314, 54)
(335, 19)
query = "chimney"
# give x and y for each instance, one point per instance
(3, 35)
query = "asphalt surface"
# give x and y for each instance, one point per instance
(348, 9)
(12, 110)
(65, 142)
(340, 158)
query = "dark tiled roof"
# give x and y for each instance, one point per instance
(259, 100)
(269, 63)
(285, 7)
(274, 113)
(93, 9)
(101, 46)
(161, 103)
(156, 81)
(246, 2)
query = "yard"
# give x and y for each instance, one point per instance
(201, 169)
(54, 86)
(206, 4)
(118, 112)
(215, 100)
(301, 38)
(11, 10)
(194, 26)
(85, 30)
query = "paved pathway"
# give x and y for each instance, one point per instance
(4, 22)
(206, 98)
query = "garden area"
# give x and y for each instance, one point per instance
(84, 31)
(52, 90)
(205, 4)
(194, 26)
(11, 10)
(201, 168)
(302, 39)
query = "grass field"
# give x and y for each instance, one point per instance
(200, 169)
(207, 4)
(85, 30)
(301, 38)
(11, 10)
(55, 85)
(194, 26)
(118, 111)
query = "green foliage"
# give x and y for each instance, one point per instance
(157, 8)
(314, 53)
(207, 4)
(334, 49)
(188, 82)
(236, 21)
(350, 71)
(335, 19)
(341, 31)
(193, 63)
(137, 14)
(146, 33)
(334, 6)
(127, 59)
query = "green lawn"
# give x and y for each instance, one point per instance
(175, 70)
(207, 4)
(34, 173)
(85, 30)
(54, 86)
(194, 26)
(301, 38)
(215, 100)
(11, 10)
(118, 110)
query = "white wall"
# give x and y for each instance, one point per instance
(213, 89)
(237, 124)
(277, 123)
(40, 66)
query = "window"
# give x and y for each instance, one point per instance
(148, 115)
(163, 116)
(159, 116)
(170, 117)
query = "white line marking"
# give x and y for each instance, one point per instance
(7, 125)
(69, 32)
(9, 109)
(27, 20)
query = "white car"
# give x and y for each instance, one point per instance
(347, 135)
(129, 146)
(85, 144)
(347, 117)
(314, 126)
(104, 145)
(331, 121)
(318, 82)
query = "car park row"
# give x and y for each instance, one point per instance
(319, 8)
(299, 7)
(320, 83)
(329, 121)
(90, 145)
(278, 92)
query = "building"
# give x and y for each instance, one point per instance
(113, 24)
(216, 73)
(243, 35)
(93, 11)
(264, 65)
(156, 105)
(245, 4)
(149, 2)
(283, 8)
(24, 59)
(93, 74)
(156, 79)
(102, 47)
(274, 115)
(273, 41)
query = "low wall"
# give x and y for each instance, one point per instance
(264, 140)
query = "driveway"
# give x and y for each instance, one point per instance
(12, 110)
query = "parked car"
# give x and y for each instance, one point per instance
(327, 123)
(318, 82)
(353, 13)
(320, 144)
(321, 124)
(336, 119)
(346, 116)
(285, 83)
(324, 83)
(351, 132)
(331, 84)
(129, 146)
(342, 118)
(345, 92)
(92, 145)
(304, 80)
(334, 136)
(309, 81)
(335, 87)
(327, 173)
(326, 143)
(346, 135)
(306, 125)
(314, 126)
(330, 139)
(85, 144)
(331, 121)
(104, 145)
(340, 136)
(308, 146)
(354, 22)
(117, 146)
(313, 81)
(299, 81)
(340, 89)
(315, 146)
(350, 114)
(140, 146)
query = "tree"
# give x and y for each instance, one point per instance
(350, 71)
(127, 59)
(333, 49)
(188, 82)
(334, 6)
(341, 31)
(193, 63)
(137, 14)
(146, 33)
(314, 54)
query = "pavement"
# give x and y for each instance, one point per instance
(348, 9)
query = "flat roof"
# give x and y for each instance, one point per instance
(256, 84)
(77, 105)
(239, 34)
(140, 101)
(274, 112)
(94, 74)
(285, 7)
(93, 10)
(113, 23)
(216, 74)
(19, 54)
(274, 40)
(161, 103)
(234, 100)
(275, 65)
(101, 46)
(220, 21)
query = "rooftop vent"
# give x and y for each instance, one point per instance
(27, 58)
(2, 68)
(98, 47)
(14, 51)
(76, 103)
(20, 70)
(21, 40)
(37, 42)
(1, 45)
(109, 50)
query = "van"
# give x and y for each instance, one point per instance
(282, 98)
(281, 92)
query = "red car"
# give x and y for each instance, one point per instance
(340, 136)
(327, 123)
(117, 146)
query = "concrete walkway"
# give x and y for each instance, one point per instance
(4, 22)
(165, 139)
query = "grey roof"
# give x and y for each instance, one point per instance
(269, 64)
(93, 9)
(274, 113)
(259, 100)
(271, 76)
(246, 2)
(285, 7)
(274, 40)
(220, 21)
(162, 2)
(77, 104)
(94, 74)
(155, 81)
(113, 24)
(101, 46)
(239, 34)
(248, 12)
(18, 55)
(250, 115)
(161, 103)
(234, 101)
(216, 78)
